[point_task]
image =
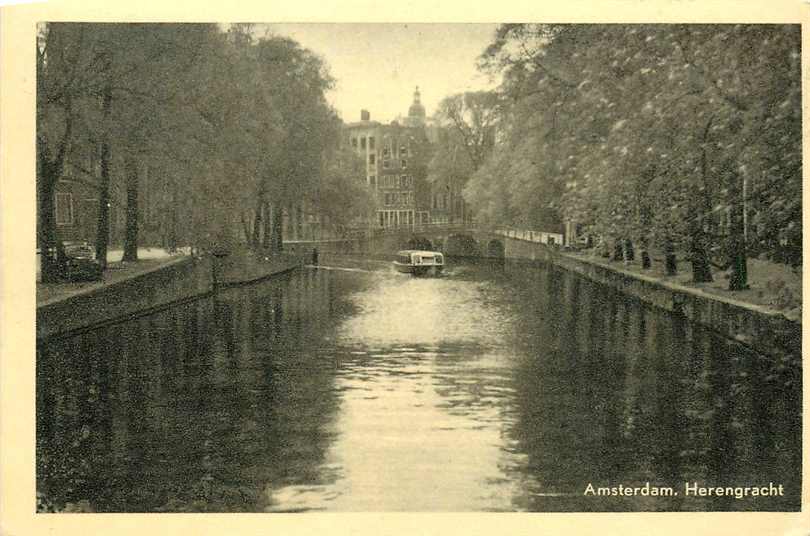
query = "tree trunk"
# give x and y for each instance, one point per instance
(739, 271)
(103, 230)
(618, 251)
(47, 229)
(604, 248)
(257, 224)
(670, 261)
(699, 257)
(296, 209)
(277, 243)
(629, 251)
(738, 279)
(646, 263)
(173, 222)
(245, 228)
(50, 171)
(268, 227)
(46, 182)
(131, 236)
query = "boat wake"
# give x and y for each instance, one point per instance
(338, 268)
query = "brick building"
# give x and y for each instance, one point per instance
(76, 209)
(396, 158)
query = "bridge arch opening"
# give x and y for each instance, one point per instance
(419, 242)
(461, 245)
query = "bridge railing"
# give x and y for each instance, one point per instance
(413, 228)
(531, 235)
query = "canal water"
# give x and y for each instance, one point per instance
(355, 388)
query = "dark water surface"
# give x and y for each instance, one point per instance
(490, 389)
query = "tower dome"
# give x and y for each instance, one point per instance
(416, 113)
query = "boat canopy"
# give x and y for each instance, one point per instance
(417, 256)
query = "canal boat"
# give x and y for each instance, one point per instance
(419, 262)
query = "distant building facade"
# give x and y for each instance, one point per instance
(396, 157)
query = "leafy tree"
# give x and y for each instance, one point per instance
(713, 118)
(61, 60)
(233, 126)
(468, 123)
(342, 197)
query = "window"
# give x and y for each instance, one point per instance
(382, 219)
(371, 142)
(64, 209)
(371, 159)
(362, 142)
(404, 163)
(403, 151)
(354, 143)
(372, 180)
(397, 182)
(404, 181)
(386, 163)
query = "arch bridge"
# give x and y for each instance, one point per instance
(463, 240)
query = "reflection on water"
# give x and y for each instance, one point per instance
(353, 390)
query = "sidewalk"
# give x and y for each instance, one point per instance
(148, 259)
(773, 286)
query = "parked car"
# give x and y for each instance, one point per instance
(77, 262)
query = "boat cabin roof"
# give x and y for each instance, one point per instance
(419, 251)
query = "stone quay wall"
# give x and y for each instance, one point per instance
(765, 330)
(178, 281)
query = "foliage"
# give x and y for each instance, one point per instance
(340, 196)
(225, 124)
(467, 124)
(650, 132)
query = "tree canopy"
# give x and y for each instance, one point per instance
(237, 127)
(684, 133)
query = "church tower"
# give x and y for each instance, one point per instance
(416, 113)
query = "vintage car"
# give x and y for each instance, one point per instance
(77, 262)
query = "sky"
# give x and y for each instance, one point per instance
(377, 66)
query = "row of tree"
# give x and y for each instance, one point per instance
(237, 127)
(675, 137)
